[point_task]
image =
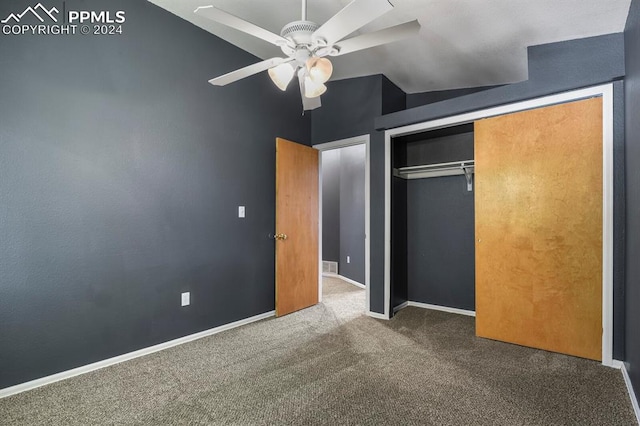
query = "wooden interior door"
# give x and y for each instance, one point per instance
(538, 207)
(296, 227)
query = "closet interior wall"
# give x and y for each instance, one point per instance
(432, 234)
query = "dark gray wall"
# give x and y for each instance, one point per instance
(424, 98)
(352, 172)
(399, 236)
(438, 221)
(331, 205)
(343, 209)
(438, 148)
(619, 221)
(632, 135)
(440, 242)
(393, 98)
(432, 228)
(120, 176)
(555, 68)
(349, 108)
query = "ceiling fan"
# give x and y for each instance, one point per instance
(306, 45)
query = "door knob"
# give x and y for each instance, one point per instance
(280, 236)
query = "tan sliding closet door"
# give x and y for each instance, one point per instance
(538, 207)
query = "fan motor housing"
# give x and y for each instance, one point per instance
(299, 32)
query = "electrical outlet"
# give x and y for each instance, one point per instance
(348, 259)
(186, 298)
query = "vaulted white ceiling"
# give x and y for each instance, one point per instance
(462, 43)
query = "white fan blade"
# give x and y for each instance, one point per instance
(307, 103)
(232, 21)
(250, 70)
(354, 15)
(376, 38)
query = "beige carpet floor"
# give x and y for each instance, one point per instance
(331, 364)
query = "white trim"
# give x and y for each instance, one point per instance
(367, 224)
(377, 315)
(400, 307)
(607, 224)
(319, 226)
(617, 364)
(352, 282)
(345, 279)
(442, 308)
(387, 224)
(22, 387)
(632, 394)
(342, 143)
(606, 92)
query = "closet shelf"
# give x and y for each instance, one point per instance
(435, 170)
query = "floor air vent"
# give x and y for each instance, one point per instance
(330, 267)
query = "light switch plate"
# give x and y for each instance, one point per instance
(186, 298)
(241, 211)
(348, 259)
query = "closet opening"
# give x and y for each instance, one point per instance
(432, 220)
(542, 209)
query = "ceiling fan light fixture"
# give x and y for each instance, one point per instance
(313, 89)
(306, 45)
(319, 69)
(281, 75)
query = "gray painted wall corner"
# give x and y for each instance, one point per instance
(632, 171)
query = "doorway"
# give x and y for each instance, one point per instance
(354, 270)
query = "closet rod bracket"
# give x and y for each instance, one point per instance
(468, 174)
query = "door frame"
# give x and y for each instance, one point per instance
(606, 92)
(343, 143)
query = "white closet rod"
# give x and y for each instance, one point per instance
(454, 168)
(435, 170)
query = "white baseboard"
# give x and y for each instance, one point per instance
(377, 315)
(352, 282)
(441, 308)
(619, 365)
(345, 279)
(400, 306)
(632, 395)
(22, 387)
